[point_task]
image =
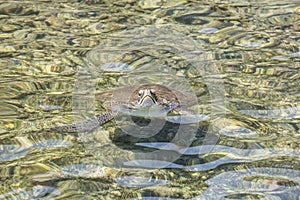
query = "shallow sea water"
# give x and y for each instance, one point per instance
(61, 62)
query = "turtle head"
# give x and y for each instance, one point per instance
(146, 97)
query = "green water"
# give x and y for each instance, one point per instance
(61, 62)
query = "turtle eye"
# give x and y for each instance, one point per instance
(152, 91)
(140, 93)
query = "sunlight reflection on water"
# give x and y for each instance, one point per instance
(13, 152)
(231, 154)
(132, 181)
(270, 186)
(37, 192)
(289, 113)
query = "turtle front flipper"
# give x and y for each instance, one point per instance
(86, 125)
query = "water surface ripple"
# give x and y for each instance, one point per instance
(233, 65)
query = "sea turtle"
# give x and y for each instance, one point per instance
(142, 97)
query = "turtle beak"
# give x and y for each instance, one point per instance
(147, 99)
